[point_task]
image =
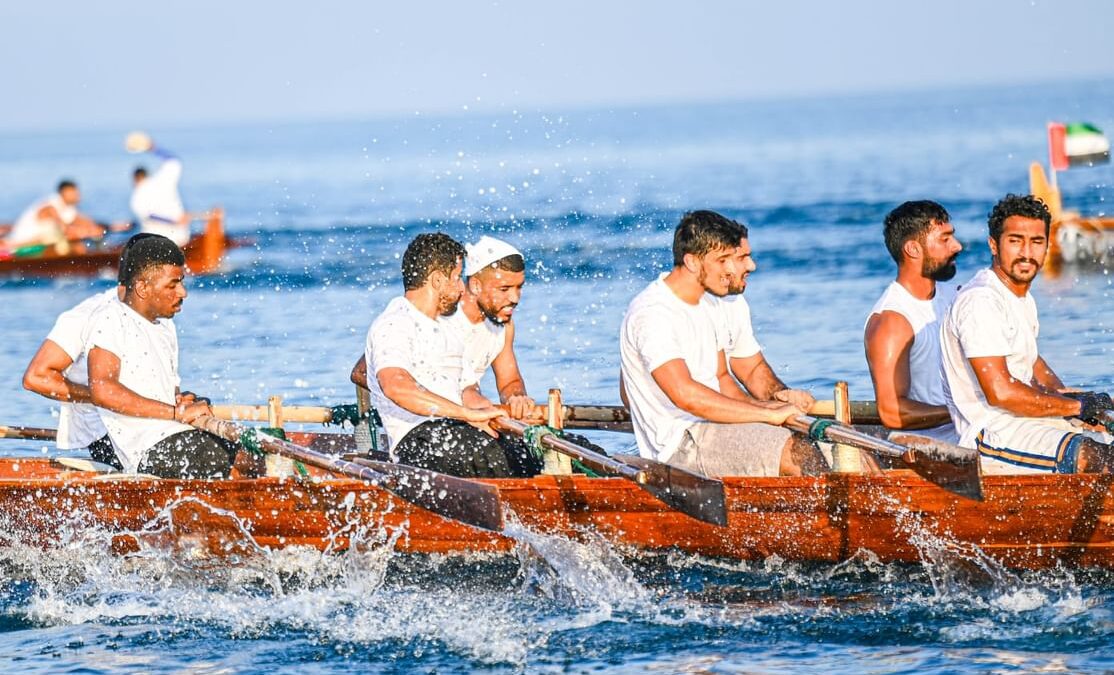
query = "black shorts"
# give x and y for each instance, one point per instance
(190, 454)
(455, 448)
(101, 450)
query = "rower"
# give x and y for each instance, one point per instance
(686, 407)
(59, 371)
(1004, 398)
(422, 386)
(54, 221)
(902, 335)
(155, 200)
(744, 355)
(133, 372)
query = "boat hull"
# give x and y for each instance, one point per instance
(1023, 522)
(204, 255)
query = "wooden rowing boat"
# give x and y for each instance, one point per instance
(1023, 521)
(204, 255)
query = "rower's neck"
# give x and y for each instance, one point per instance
(140, 307)
(424, 300)
(1018, 288)
(470, 307)
(685, 285)
(918, 285)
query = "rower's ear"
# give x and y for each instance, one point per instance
(912, 249)
(993, 244)
(692, 263)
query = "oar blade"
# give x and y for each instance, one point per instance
(476, 504)
(692, 494)
(950, 466)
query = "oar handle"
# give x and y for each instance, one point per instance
(593, 460)
(27, 433)
(258, 413)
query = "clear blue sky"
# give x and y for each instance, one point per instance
(120, 63)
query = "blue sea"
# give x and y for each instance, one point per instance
(591, 196)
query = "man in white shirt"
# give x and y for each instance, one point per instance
(686, 407)
(155, 200)
(744, 355)
(1004, 399)
(59, 371)
(133, 372)
(421, 384)
(902, 335)
(54, 221)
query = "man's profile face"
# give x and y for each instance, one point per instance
(451, 288)
(744, 265)
(497, 292)
(941, 249)
(715, 269)
(164, 289)
(70, 195)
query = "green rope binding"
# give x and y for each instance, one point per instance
(818, 430)
(350, 413)
(250, 440)
(533, 436)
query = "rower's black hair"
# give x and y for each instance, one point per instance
(67, 183)
(911, 220)
(147, 251)
(140, 172)
(1026, 206)
(512, 263)
(124, 253)
(703, 231)
(428, 253)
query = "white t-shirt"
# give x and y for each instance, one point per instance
(79, 424)
(926, 366)
(483, 341)
(986, 319)
(158, 206)
(660, 327)
(29, 228)
(738, 333)
(429, 349)
(148, 353)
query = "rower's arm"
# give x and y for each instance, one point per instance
(508, 378)
(107, 392)
(359, 373)
(44, 375)
(1002, 390)
(757, 376)
(888, 339)
(1045, 379)
(675, 380)
(401, 387)
(728, 385)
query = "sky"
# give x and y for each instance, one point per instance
(119, 63)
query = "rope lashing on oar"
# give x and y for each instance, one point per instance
(817, 431)
(350, 414)
(250, 440)
(533, 436)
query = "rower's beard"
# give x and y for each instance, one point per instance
(492, 315)
(939, 271)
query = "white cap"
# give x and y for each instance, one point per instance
(484, 252)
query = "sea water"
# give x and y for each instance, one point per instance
(591, 197)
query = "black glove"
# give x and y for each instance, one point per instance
(1091, 405)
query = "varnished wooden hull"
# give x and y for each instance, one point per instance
(204, 255)
(1025, 521)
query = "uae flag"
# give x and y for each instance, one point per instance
(1076, 144)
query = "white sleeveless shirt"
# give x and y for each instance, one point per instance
(926, 366)
(30, 228)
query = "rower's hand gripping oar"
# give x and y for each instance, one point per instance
(949, 466)
(458, 499)
(694, 495)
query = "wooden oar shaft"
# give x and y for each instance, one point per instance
(862, 412)
(258, 413)
(847, 435)
(232, 432)
(592, 460)
(28, 433)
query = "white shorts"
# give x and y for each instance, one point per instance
(1020, 445)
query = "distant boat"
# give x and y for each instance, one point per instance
(1075, 238)
(204, 255)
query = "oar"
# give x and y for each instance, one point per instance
(617, 418)
(697, 496)
(28, 433)
(949, 466)
(469, 502)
